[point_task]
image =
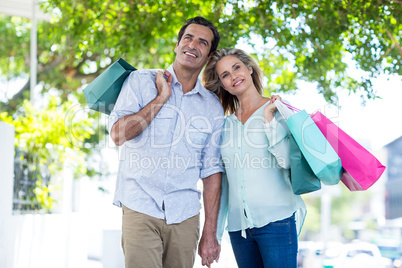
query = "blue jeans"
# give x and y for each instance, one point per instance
(274, 245)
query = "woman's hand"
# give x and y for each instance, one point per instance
(164, 85)
(270, 109)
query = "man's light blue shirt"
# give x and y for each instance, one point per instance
(159, 169)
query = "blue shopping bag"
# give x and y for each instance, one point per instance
(302, 177)
(318, 152)
(101, 94)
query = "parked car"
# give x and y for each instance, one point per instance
(391, 249)
(307, 254)
(311, 253)
(356, 254)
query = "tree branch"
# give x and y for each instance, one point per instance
(395, 42)
(293, 10)
(20, 93)
(105, 13)
(43, 69)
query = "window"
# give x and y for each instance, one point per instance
(28, 175)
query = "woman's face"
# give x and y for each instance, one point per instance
(234, 75)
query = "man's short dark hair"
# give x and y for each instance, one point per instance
(204, 22)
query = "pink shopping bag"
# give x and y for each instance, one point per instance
(362, 169)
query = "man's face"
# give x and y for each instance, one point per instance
(193, 48)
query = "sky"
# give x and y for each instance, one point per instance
(374, 125)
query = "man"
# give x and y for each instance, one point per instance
(169, 126)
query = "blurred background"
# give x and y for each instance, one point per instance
(58, 165)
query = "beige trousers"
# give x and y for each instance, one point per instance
(150, 242)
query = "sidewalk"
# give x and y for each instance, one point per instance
(227, 259)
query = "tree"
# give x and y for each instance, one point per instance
(344, 208)
(304, 40)
(294, 40)
(56, 135)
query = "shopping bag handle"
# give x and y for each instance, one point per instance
(291, 107)
(286, 110)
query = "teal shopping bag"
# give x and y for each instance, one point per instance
(101, 94)
(302, 177)
(319, 154)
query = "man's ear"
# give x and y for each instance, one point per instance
(209, 58)
(175, 48)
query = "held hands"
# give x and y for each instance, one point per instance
(270, 109)
(209, 250)
(164, 85)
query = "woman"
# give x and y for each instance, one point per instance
(264, 216)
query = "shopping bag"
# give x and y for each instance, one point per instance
(302, 178)
(101, 94)
(319, 154)
(362, 169)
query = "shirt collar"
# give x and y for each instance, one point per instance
(199, 88)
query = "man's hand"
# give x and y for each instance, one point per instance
(130, 126)
(164, 85)
(209, 248)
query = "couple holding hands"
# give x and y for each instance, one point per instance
(161, 207)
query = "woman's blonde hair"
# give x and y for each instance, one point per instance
(211, 81)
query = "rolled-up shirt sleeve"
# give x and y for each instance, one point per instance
(278, 142)
(211, 154)
(128, 101)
